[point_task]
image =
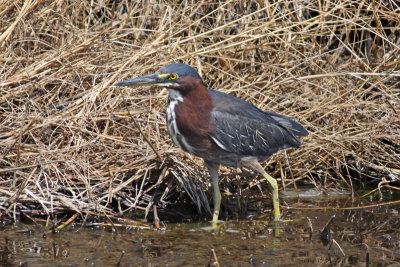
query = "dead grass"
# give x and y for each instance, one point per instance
(70, 141)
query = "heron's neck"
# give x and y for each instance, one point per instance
(191, 107)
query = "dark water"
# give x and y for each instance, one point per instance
(360, 233)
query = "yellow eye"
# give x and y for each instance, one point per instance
(173, 76)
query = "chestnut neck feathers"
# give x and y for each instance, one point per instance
(190, 106)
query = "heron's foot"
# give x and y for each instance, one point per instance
(215, 226)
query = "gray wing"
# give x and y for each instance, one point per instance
(244, 129)
(250, 137)
(233, 105)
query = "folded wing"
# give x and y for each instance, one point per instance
(244, 129)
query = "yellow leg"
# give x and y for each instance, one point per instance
(217, 202)
(213, 170)
(275, 196)
(252, 163)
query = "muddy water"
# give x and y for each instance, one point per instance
(355, 237)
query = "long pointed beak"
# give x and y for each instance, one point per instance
(148, 80)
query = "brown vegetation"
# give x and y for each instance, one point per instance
(70, 141)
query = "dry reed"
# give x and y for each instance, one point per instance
(70, 141)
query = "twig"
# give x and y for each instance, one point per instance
(156, 219)
(213, 256)
(366, 254)
(310, 227)
(333, 241)
(61, 226)
(120, 258)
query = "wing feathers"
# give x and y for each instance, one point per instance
(250, 137)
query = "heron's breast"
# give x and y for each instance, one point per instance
(177, 137)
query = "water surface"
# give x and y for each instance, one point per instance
(355, 237)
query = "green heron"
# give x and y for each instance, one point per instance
(220, 128)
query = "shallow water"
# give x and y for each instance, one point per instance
(372, 232)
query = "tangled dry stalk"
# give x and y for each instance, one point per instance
(70, 141)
